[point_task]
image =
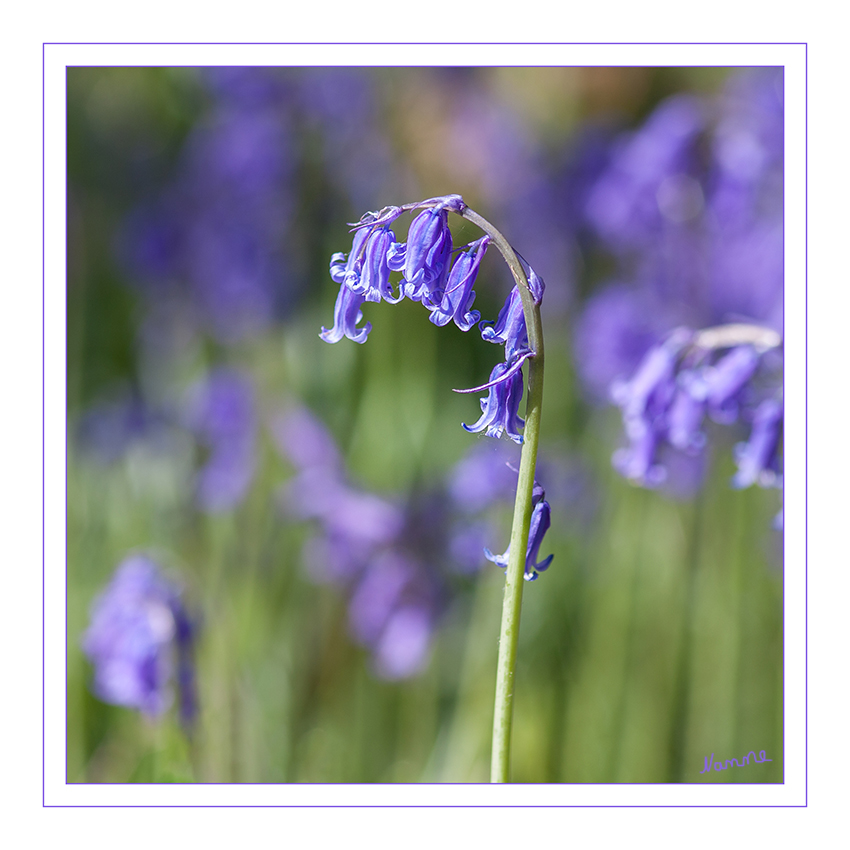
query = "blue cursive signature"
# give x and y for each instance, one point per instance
(758, 759)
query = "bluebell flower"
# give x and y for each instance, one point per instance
(346, 268)
(459, 297)
(540, 522)
(725, 380)
(684, 418)
(636, 461)
(509, 329)
(139, 638)
(651, 389)
(347, 316)
(375, 277)
(535, 283)
(426, 257)
(365, 271)
(500, 410)
(646, 401)
(758, 458)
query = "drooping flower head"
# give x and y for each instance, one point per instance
(139, 639)
(446, 290)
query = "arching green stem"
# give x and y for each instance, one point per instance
(514, 580)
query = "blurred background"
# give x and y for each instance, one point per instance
(275, 545)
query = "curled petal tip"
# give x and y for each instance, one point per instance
(515, 366)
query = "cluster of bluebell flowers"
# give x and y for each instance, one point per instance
(140, 641)
(689, 376)
(444, 286)
(688, 209)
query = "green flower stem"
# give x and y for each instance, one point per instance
(514, 577)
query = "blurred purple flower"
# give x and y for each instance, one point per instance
(109, 428)
(220, 412)
(394, 562)
(214, 232)
(304, 441)
(723, 382)
(758, 459)
(139, 638)
(404, 646)
(341, 110)
(467, 543)
(533, 187)
(355, 524)
(486, 474)
(617, 327)
(648, 181)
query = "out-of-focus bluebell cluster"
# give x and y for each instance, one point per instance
(679, 383)
(140, 641)
(689, 206)
(398, 562)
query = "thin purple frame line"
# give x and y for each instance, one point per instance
(433, 43)
(427, 806)
(805, 45)
(43, 617)
(347, 783)
(307, 783)
(806, 420)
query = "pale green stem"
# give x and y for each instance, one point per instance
(514, 574)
